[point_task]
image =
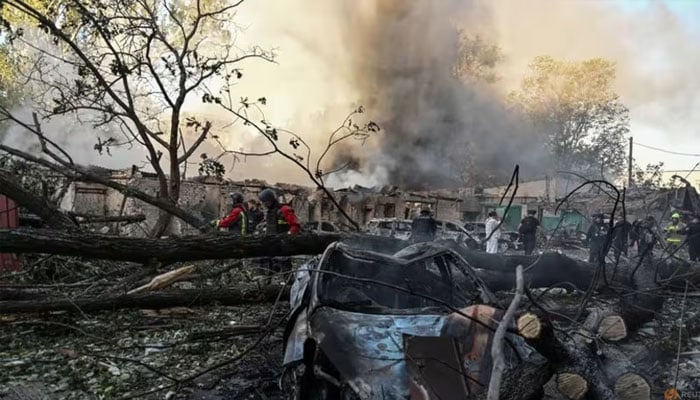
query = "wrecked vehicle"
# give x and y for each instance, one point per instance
(413, 325)
(389, 227)
(401, 229)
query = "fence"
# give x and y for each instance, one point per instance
(9, 218)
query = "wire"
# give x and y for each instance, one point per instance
(666, 151)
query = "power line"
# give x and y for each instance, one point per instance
(666, 151)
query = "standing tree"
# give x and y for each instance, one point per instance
(581, 118)
(134, 66)
(131, 65)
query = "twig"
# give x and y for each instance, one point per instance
(680, 336)
(499, 336)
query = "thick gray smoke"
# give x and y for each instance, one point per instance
(438, 130)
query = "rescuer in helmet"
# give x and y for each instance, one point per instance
(237, 221)
(423, 227)
(693, 232)
(674, 231)
(279, 218)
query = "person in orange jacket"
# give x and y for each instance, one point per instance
(237, 221)
(279, 218)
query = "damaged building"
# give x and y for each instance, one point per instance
(207, 197)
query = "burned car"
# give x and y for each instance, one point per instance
(413, 325)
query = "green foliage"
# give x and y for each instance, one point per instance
(39, 180)
(477, 59)
(580, 116)
(650, 177)
(211, 167)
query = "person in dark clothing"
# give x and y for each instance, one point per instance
(255, 213)
(692, 230)
(646, 238)
(423, 227)
(634, 234)
(528, 231)
(597, 236)
(237, 221)
(621, 234)
(279, 218)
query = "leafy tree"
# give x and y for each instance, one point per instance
(477, 59)
(581, 118)
(131, 65)
(651, 177)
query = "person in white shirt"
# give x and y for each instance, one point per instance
(493, 233)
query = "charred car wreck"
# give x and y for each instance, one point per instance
(417, 324)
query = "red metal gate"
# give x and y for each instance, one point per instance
(9, 218)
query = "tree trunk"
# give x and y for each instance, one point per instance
(156, 300)
(97, 219)
(218, 246)
(49, 213)
(187, 248)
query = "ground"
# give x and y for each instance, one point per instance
(128, 353)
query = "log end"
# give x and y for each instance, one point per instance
(573, 386)
(529, 326)
(612, 328)
(631, 386)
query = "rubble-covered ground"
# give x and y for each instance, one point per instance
(128, 353)
(157, 354)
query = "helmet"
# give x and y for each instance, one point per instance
(236, 197)
(267, 197)
(675, 216)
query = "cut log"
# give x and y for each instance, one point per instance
(529, 326)
(573, 386)
(631, 386)
(612, 328)
(157, 300)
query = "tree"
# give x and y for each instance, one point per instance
(650, 177)
(579, 115)
(477, 59)
(134, 66)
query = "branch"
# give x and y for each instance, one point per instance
(188, 153)
(499, 337)
(75, 172)
(52, 216)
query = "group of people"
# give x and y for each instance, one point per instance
(424, 229)
(245, 216)
(643, 235)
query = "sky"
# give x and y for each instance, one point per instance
(314, 82)
(655, 45)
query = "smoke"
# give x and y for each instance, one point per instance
(655, 44)
(395, 58)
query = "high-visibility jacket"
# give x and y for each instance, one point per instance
(281, 219)
(674, 233)
(236, 221)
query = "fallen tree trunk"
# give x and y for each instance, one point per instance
(49, 213)
(177, 249)
(156, 300)
(188, 248)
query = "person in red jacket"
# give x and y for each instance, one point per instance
(237, 221)
(279, 218)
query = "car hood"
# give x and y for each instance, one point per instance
(367, 349)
